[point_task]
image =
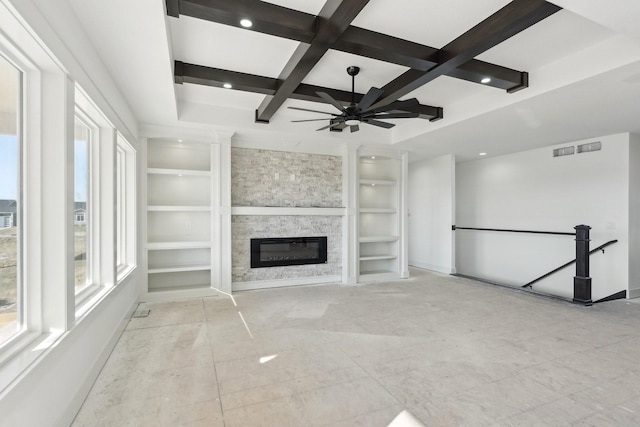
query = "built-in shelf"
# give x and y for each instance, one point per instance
(179, 269)
(377, 275)
(269, 210)
(177, 245)
(377, 257)
(376, 182)
(379, 217)
(179, 218)
(178, 172)
(374, 239)
(179, 208)
(378, 210)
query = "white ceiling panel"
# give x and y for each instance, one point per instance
(308, 6)
(560, 35)
(429, 22)
(331, 72)
(201, 42)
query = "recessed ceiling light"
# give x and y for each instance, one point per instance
(246, 23)
(179, 140)
(227, 86)
(485, 80)
(373, 157)
(482, 154)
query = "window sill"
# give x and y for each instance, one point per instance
(124, 271)
(22, 353)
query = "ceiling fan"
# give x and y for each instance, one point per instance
(361, 112)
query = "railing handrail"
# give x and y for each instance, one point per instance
(560, 233)
(573, 261)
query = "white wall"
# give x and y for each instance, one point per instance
(634, 216)
(533, 190)
(52, 388)
(56, 24)
(431, 197)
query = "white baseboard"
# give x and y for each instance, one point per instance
(634, 293)
(101, 359)
(430, 267)
(265, 284)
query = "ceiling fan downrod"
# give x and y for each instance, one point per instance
(353, 72)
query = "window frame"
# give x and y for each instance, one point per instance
(126, 225)
(92, 218)
(22, 309)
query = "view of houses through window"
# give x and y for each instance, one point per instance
(81, 222)
(10, 259)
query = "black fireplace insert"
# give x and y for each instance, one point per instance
(274, 252)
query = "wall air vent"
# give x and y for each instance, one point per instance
(564, 151)
(592, 146)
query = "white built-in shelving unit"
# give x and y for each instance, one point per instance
(380, 222)
(179, 215)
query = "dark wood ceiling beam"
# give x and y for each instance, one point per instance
(198, 74)
(310, 93)
(507, 22)
(419, 57)
(334, 18)
(207, 76)
(267, 18)
(295, 25)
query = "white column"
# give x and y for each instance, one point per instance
(221, 213)
(403, 255)
(350, 246)
(56, 211)
(108, 206)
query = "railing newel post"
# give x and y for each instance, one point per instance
(582, 281)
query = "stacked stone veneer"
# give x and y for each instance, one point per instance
(263, 178)
(317, 183)
(245, 227)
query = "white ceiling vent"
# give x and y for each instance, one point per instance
(564, 151)
(592, 146)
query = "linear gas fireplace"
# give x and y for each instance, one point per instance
(275, 252)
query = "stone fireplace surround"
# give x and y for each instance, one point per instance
(284, 194)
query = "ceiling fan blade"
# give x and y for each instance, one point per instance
(379, 123)
(331, 101)
(308, 120)
(331, 125)
(395, 116)
(325, 127)
(369, 98)
(354, 128)
(397, 105)
(339, 126)
(312, 111)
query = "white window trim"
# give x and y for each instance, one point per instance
(22, 349)
(22, 316)
(92, 210)
(128, 183)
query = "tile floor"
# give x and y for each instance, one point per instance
(449, 350)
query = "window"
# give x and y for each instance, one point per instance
(125, 206)
(81, 197)
(11, 292)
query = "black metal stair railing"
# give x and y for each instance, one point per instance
(582, 280)
(573, 261)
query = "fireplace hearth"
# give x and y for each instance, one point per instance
(283, 251)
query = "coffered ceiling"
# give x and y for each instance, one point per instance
(576, 63)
